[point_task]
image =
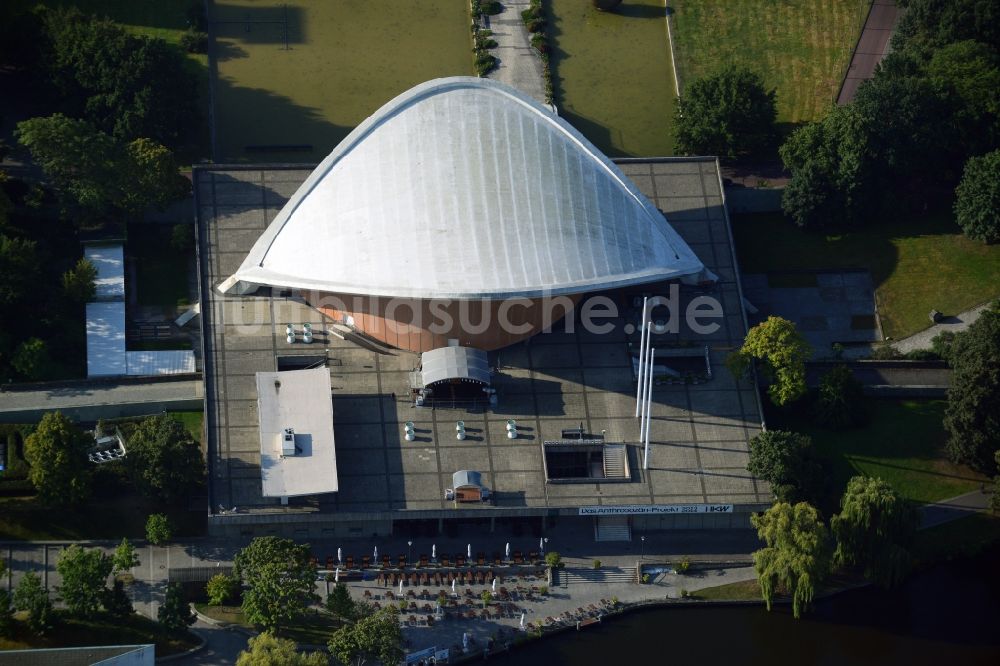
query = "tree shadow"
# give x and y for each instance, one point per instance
(278, 24)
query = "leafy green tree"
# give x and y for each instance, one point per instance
(266, 649)
(153, 179)
(553, 559)
(31, 597)
(174, 613)
(840, 402)
(116, 601)
(787, 461)
(158, 529)
(340, 603)
(783, 353)
(931, 23)
(6, 613)
(57, 454)
(977, 198)
(222, 588)
(125, 557)
(967, 75)
(20, 266)
(730, 114)
(486, 597)
(80, 160)
(874, 530)
(373, 638)
(797, 556)
(78, 282)
(84, 573)
(279, 581)
(32, 360)
(972, 418)
(164, 460)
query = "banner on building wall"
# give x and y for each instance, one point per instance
(653, 509)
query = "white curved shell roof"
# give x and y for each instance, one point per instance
(465, 188)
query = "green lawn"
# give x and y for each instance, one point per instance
(965, 537)
(745, 590)
(102, 630)
(800, 48)
(345, 60)
(903, 444)
(917, 264)
(315, 627)
(192, 421)
(612, 75)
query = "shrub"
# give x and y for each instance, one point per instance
(977, 198)
(543, 589)
(158, 529)
(194, 41)
(886, 353)
(597, 564)
(535, 25)
(539, 43)
(841, 402)
(491, 7)
(221, 589)
(483, 42)
(683, 566)
(553, 559)
(941, 345)
(645, 578)
(485, 62)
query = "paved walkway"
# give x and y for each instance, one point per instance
(89, 401)
(962, 506)
(959, 322)
(873, 45)
(518, 63)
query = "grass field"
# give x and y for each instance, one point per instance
(744, 590)
(801, 48)
(965, 537)
(917, 265)
(102, 630)
(344, 60)
(903, 444)
(612, 75)
(313, 628)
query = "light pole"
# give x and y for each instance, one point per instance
(546, 540)
(409, 551)
(642, 551)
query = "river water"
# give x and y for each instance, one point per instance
(945, 616)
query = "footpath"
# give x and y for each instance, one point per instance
(518, 64)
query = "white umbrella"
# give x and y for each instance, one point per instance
(465, 641)
(508, 550)
(494, 586)
(340, 559)
(336, 575)
(375, 556)
(541, 544)
(468, 551)
(434, 551)
(522, 620)
(400, 585)
(453, 586)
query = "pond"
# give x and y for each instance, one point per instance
(613, 76)
(945, 615)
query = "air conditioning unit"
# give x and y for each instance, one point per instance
(288, 442)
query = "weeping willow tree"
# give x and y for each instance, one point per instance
(797, 556)
(874, 530)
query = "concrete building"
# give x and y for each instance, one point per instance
(465, 192)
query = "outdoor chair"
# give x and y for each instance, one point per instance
(445, 562)
(386, 563)
(365, 562)
(402, 561)
(329, 561)
(350, 562)
(481, 559)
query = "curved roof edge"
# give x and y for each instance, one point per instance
(251, 272)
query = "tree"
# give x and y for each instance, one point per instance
(995, 497)
(783, 351)
(729, 114)
(266, 649)
(84, 574)
(797, 556)
(928, 23)
(116, 601)
(32, 360)
(487, 598)
(279, 578)
(78, 282)
(31, 597)
(340, 603)
(158, 529)
(874, 530)
(153, 178)
(840, 402)
(972, 418)
(786, 461)
(57, 453)
(553, 559)
(376, 637)
(163, 459)
(977, 198)
(125, 557)
(20, 267)
(222, 588)
(6, 614)
(174, 613)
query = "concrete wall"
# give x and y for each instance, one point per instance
(718, 521)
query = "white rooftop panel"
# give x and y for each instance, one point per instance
(302, 401)
(466, 188)
(106, 339)
(164, 362)
(109, 260)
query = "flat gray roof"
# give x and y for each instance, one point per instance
(553, 381)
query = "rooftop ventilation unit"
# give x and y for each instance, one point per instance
(288, 442)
